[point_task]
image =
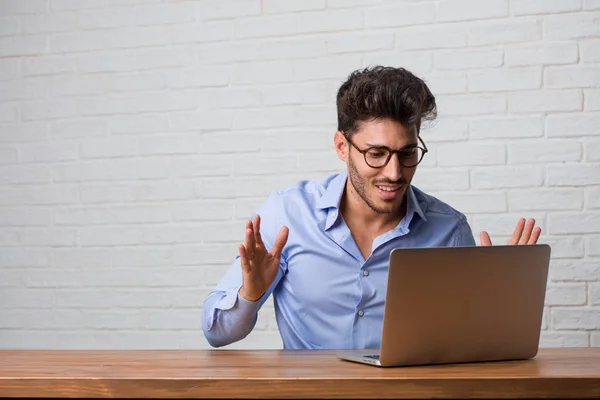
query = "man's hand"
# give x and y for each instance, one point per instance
(259, 267)
(523, 234)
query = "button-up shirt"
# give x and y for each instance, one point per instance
(326, 294)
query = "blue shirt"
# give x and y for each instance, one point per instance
(326, 294)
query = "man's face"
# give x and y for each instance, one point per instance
(382, 189)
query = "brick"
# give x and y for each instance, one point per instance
(516, 30)
(100, 19)
(59, 5)
(8, 155)
(26, 216)
(595, 292)
(9, 26)
(24, 132)
(22, 259)
(467, 10)
(223, 9)
(202, 211)
(444, 179)
(572, 76)
(9, 69)
(545, 101)
(165, 58)
(591, 4)
(348, 43)
(592, 150)
(49, 153)
(400, 15)
(446, 83)
(202, 32)
(465, 59)
(24, 89)
(535, 7)
(165, 14)
(591, 99)
(48, 65)
(180, 143)
(571, 223)
(471, 104)
(278, 6)
(542, 54)
(38, 237)
(593, 245)
(17, 7)
(277, 117)
(40, 194)
(262, 72)
(24, 174)
(78, 129)
(8, 113)
(332, 67)
(310, 93)
(571, 26)
(505, 79)
(564, 246)
(475, 202)
(140, 123)
(229, 53)
(125, 193)
(117, 169)
(552, 339)
(507, 177)
(576, 318)
(138, 214)
(545, 199)
(206, 121)
(590, 50)
(573, 124)
(445, 129)
(193, 165)
(544, 151)
(198, 77)
(431, 37)
(70, 42)
(418, 62)
(573, 174)
(134, 104)
(574, 270)
(506, 127)
(136, 82)
(566, 294)
(592, 197)
(502, 225)
(279, 140)
(109, 61)
(265, 165)
(109, 147)
(76, 85)
(356, 3)
(47, 110)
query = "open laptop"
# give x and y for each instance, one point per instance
(461, 304)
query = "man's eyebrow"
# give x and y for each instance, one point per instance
(381, 145)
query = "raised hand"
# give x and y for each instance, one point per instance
(523, 234)
(259, 267)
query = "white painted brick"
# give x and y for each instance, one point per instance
(78, 42)
(572, 174)
(58, 22)
(16, 7)
(224, 53)
(111, 18)
(573, 124)
(590, 50)
(9, 26)
(593, 245)
(202, 32)
(566, 294)
(140, 123)
(8, 155)
(445, 129)
(175, 143)
(415, 13)
(202, 211)
(552, 339)
(571, 26)
(471, 104)
(542, 54)
(592, 197)
(75, 85)
(9, 69)
(278, 117)
(591, 4)
(74, 129)
(165, 14)
(109, 147)
(110, 61)
(137, 214)
(192, 166)
(574, 270)
(24, 299)
(431, 37)
(565, 246)
(506, 127)
(25, 89)
(24, 174)
(310, 93)
(569, 223)
(283, 6)
(117, 169)
(223, 9)
(25, 216)
(198, 77)
(502, 225)
(37, 237)
(8, 112)
(544, 151)
(219, 255)
(134, 37)
(446, 83)
(60, 5)
(21, 259)
(466, 10)
(348, 43)
(165, 58)
(262, 72)
(291, 24)
(507, 79)
(202, 121)
(48, 110)
(443, 179)
(136, 82)
(534, 7)
(507, 177)
(465, 59)
(214, 142)
(125, 193)
(418, 62)
(304, 140)
(591, 99)
(475, 202)
(48, 153)
(572, 76)
(319, 162)
(592, 150)
(545, 199)
(515, 30)
(356, 3)
(545, 101)
(576, 318)
(265, 165)
(333, 67)
(23, 133)
(595, 291)
(133, 104)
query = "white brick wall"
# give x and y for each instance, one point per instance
(136, 136)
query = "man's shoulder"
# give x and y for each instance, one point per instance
(432, 206)
(307, 190)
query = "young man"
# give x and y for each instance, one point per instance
(322, 247)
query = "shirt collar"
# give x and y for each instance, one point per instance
(333, 194)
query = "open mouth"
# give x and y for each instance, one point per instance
(388, 191)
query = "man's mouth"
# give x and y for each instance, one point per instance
(394, 188)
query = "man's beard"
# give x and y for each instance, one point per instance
(360, 185)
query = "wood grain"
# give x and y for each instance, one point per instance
(554, 373)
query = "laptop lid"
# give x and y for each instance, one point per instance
(464, 304)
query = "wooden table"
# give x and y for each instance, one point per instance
(554, 373)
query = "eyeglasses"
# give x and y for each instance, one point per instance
(378, 157)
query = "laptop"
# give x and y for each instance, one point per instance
(461, 304)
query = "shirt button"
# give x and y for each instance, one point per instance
(366, 272)
(361, 313)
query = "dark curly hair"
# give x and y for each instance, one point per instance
(383, 92)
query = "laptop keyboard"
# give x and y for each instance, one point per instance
(373, 356)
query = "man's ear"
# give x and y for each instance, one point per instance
(341, 146)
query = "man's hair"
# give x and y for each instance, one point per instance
(383, 92)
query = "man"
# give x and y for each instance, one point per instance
(322, 247)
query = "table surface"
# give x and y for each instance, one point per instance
(557, 373)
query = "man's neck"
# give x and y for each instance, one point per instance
(357, 212)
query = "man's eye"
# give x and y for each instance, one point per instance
(407, 153)
(376, 154)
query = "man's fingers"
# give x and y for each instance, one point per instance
(535, 236)
(280, 241)
(244, 258)
(249, 240)
(516, 236)
(257, 235)
(524, 239)
(484, 239)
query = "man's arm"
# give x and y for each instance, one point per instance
(464, 234)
